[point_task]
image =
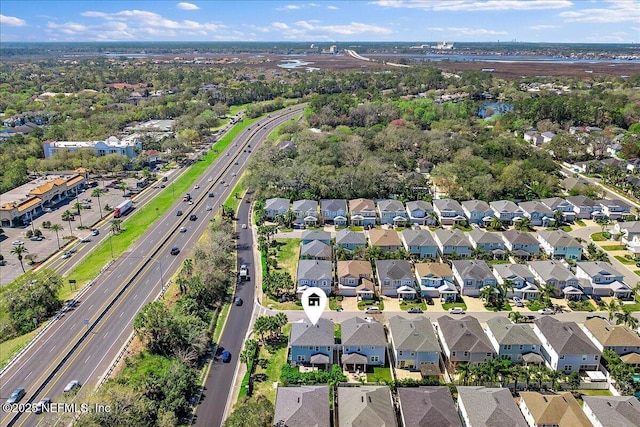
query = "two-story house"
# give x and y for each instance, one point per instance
(489, 243)
(558, 204)
(627, 230)
(311, 344)
(395, 278)
(355, 278)
(463, 340)
(565, 347)
(521, 244)
(556, 273)
(477, 211)
(515, 342)
(449, 211)
(615, 209)
(386, 240)
(452, 242)
(306, 212)
(333, 211)
(419, 243)
(488, 407)
(559, 244)
(585, 208)
(619, 338)
(350, 240)
(276, 206)
(363, 212)
(604, 279)
(427, 406)
(414, 345)
(436, 281)
(520, 277)
(506, 210)
(420, 212)
(537, 212)
(472, 275)
(363, 344)
(314, 273)
(391, 212)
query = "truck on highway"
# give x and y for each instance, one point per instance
(122, 208)
(186, 197)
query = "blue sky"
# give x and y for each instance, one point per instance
(566, 21)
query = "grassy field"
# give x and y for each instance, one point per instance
(271, 372)
(379, 375)
(600, 237)
(613, 247)
(625, 261)
(449, 305)
(9, 348)
(288, 255)
(236, 195)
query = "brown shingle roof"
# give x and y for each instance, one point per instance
(561, 409)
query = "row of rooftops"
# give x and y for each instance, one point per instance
(22, 196)
(475, 406)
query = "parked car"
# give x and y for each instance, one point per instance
(85, 239)
(372, 309)
(17, 243)
(226, 356)
(415, 310)
(546, 311)
(42, 405)
(72, 386)
(35, 238)
(428, 300)
(597, 298)
(456, 310)
(197, 186)
(16, 396)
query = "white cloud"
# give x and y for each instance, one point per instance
(332, 7)
(542, 27)
(279, 25)
(12, 21)
(475, 5)
(468, 31)
(619, 11)
(187, 6)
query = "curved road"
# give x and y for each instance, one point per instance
(82, 344)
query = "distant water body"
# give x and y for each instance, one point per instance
(437, 57)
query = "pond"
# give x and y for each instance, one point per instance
(493, 108)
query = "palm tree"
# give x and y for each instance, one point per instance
(517, 372)
(523, 224)
(182, 284)
(123, 186)
(626, 318)
(115, 226)
(96, 193)
(546, 291)
(496, 223)
(612, 308)
(18, 251)
(187, 267)
(516, 316)
(67, 216)
(78, 207)
(554, 376)
(56, 228)
(489, 294)
(558, 217)
(464, 371)
(433, 215)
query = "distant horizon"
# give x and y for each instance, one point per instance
(322, 21)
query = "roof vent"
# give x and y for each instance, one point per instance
(362, 398)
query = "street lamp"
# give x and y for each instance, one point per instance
(110, 243)
(159, 266)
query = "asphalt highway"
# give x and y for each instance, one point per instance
(83, 343)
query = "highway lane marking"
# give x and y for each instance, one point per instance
(52, 349)
(85, 362)
(105, 335)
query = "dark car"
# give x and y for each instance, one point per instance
(179, 213)
(193, 218)
(414, 310)
(212, 194)
(226, 356)
(43, 405)
(597, 298)
(429, 300)
(16, 395)
(238, 301)
(175, 250)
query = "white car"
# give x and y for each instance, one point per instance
(190, 202)
(210, 179)
(546, 311)
(17, 243)
(456, 310)
(208, 208)
(197, 186)
(372, 309)
(72, 386)
(183, 229)
(244, 226)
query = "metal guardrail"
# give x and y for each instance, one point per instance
(57, 316)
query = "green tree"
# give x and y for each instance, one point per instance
(256, 412)
(612, 308)
(96, 193)
(18, 251)
(68, 216)
(626, 317)
(516, 316)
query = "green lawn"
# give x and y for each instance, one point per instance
(369, 302)
(407, 304)
(11, 347)
(277, 305)
(600, 237)
(288, 252)
(224, 312)
(379, 375)
(580, 222)
(459, 303)
(534, 305)
(356, 228)
(335, 303)
(272, 372)
(337, 327)
(624, 260)
(613, 247)
(594, 392)
(236, 195)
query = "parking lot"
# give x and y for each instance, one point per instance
(49, 245)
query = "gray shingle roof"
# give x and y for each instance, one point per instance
(553, 202)
(452, 237)
(447, 205)
(476, 205)
(316, 235)
(369, 406)
(513, 271)
(593, 268)
(565, 337)
(333, 205)
(464, 334)
(559, 238)
(314, 269)
(304, 333)
(415, 334)
(348, 237)
(517, 237)
(419, 204)
(508, 333)
(472, 268)
(277, 204)
(428, 406)
(505, 206)
(536, 206)
(551, 270)
(418, 238)
(490, 407)
(482, 237)
(316, 248)
(395, 269)
(304, 205)
(614, 411)
(358, 331)
(303, 406)
(390, 205)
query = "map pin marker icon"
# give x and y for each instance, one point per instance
(314, 300)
